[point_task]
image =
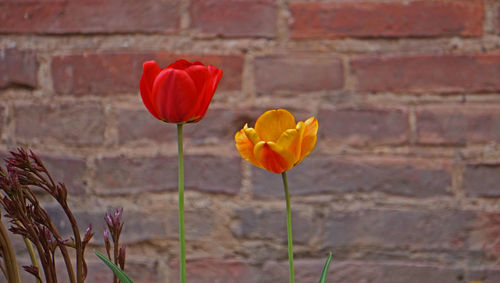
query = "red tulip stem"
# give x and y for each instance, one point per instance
(289, 227)
(182, 239)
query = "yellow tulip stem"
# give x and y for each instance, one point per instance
(182, 239)
(289, 227)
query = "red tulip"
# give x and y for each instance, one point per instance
(181, 92)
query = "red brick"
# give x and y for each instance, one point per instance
(485, 237)
(484, 275)
(427, 73)
(2, 113)
(401, 229)
(216, 270)
(68, 170)
(481, 180)
(219, 125)
(369, 19)
(297, 73)
(119, 175)
(111, 73)
(271, 225)
(308, 271)
(229, 18)
(322, 175)
(360, 126)
(74, 124)
(97, 16)
(145, 270)
(199, 223)
(17, 68)
(133, 230)
(458, 124)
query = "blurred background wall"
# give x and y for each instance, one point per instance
(403, 185)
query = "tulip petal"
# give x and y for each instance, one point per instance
(272, 123)
(180, 64)
(251, 134)
(309, 138)
(149, 74)
(273, 157)
(290, 141)
(175, 94)
(245, 147)
(216, 75)
(202, 81)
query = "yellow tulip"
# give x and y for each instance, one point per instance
(277, 143)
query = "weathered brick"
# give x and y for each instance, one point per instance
(307, 270)
(372, 19)
(199, 224)
(140, 270)
(78, 124)
(458, 124)
(271, 224)
(483, 275)
(68, 170)
(427, 73)
(219, 125)
(485, 235)
(111, 73)
(135, 175)
(97, 16)
(216, 271)
(136, 125)
(2, 113)
(410, 229)
(133, 230)
(229, 18)
(364, 125)
(481, 180)
(322, 175)
(297, 73)
(17, 68)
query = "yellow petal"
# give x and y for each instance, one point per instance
(273, 157)
(273, 123)
(309, 137)
(251, 134)
(245, 147)
(290, 141)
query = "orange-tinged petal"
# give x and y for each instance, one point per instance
(309, 138)
(251, 134)
(290, 141)
(273, 157)
(245, 147)
(273, 123)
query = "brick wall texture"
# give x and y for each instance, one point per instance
(403, 185)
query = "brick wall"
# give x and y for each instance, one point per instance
(403, 185)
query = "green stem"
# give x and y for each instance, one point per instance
(9, 256)
(289, 227)
(182, 240)
(34, 261)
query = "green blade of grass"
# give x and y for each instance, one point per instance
(116, 270)
(324, 273)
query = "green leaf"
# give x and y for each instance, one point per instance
(116, 270)
(324, 273)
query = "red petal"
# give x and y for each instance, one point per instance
(180, 64)
(216, 75)
(175, 94)
(202, 80)
(149, 74)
